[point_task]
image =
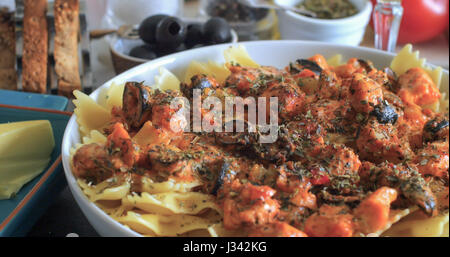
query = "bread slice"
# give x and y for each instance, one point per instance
(8, 79)
(8, 75)
(35, 46)
(67, 27)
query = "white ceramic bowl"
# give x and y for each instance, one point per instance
(347, 31)
(274, 53)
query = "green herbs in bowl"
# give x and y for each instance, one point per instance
(329, 9)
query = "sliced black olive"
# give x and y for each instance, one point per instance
(393, 100)
(136, 103)
(415, 190)
(216, 31)
(385, 113)
(197, 82)
(143, 52)
(220, 178)
(170, 33)
(310, 65)
(434, 126)
(392, 80)
(147, 28)
(194, 35)
(390, 73)
(436, 129)
(200, 82)
(367, 65)
(293, 69)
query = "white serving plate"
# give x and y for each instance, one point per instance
(273, 53)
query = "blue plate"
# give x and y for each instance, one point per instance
(18, 215)
(17, 98)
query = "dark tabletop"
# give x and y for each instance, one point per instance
(63, 217)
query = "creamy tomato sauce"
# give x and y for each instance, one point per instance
(354, 143)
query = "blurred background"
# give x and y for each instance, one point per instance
(421, 22)
(424, 23)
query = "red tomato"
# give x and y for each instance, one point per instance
(319, 177)
(422, 20)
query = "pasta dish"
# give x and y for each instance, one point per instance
(357, 151)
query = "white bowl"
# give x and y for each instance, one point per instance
(347, 31)
(274, 53)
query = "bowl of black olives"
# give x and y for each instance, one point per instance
(160, 35)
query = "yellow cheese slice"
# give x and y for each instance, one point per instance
(25, 149)
(26, 139)
(18, 174)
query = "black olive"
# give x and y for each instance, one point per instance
(181, 48)
(136, 103)
(163, 50)
(197, 82)
(434, 126)
(144, 52)
(170, 33)
(310, 65)
(436, 129)
(216, 31)
(194, 35)
(200, 82)
(390, 73)
(220, 179)
(416, 191)
(367, 65)
(385, 113)
(147, 28)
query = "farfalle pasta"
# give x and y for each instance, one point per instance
(360, 151)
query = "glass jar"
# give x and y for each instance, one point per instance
(249, 23)
(387, 16)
